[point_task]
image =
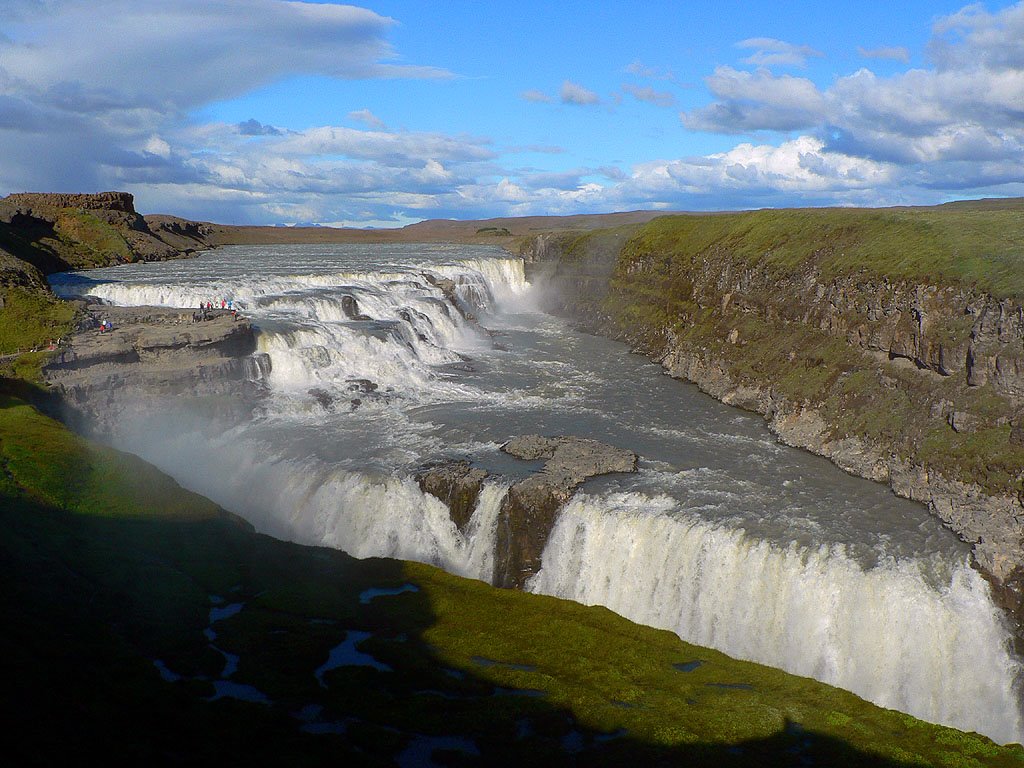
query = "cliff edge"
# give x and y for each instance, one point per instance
(890, 341)
(42, 233)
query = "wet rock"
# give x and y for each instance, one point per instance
(456, 483)
(156, 352)
(363, 386)
(350, 307)
(531, 506)
(323, 397)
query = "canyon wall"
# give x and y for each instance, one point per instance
(916, 384)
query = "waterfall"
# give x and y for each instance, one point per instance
(885, 633)
(372, 371)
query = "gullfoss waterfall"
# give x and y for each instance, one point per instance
(384, 359)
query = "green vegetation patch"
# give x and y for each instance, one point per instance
(32, 319)
(89, 239)
(144, 620)
(980, 248)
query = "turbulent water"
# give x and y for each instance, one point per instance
(724, 536)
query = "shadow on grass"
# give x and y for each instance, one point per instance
(197, 642)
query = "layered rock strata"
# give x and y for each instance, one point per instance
(151, 354)
(952, 354)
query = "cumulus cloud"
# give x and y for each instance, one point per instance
(757, 101)
(894, 53)
(639, 69)
(649, 95)
(253, 127)
(574, 93)
(967, 109)
(769, 52)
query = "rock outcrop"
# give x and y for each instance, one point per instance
(531, 506)
(150, 353)
(457, 484)
(45, 233)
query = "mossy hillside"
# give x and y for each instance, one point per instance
(980, 247)
(103, 578)
(30, 321)
(86, 241)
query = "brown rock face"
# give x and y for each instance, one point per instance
(100, 201)
(529, 510)
(458, 485)
(153, 354)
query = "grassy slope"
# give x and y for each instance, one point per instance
(978, 247)
(109, 565)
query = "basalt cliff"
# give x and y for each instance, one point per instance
(42, 233)
(901, 367)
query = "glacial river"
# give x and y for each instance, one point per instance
(724, 536)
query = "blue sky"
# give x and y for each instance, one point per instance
(263, 111)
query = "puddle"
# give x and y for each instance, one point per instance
(482, 661)
(573, 742)
(420, 751)
(225, 689)
(165, 673)
(218, 613)
(345, 654)
(687, 666)
(374, 592)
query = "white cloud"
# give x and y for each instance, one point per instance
(757, 101)
(536, 96)
(769, 52)
(639, 69)
(367, 118)
(968, 108)
(574, 93)
(649, 95)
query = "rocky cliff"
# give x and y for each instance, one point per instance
(104, 376)
(913, 382)
(531, 505)
(45, 233)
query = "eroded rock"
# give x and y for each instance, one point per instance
(456, 483)
(531, 506)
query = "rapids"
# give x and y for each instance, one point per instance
(386, 357)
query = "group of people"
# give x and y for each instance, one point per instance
(205, 307)
(105, 325)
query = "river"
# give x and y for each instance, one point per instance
(724, 536)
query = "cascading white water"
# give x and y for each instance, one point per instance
(374, 370)
(305, 501)
(884, 633)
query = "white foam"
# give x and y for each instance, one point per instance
(885, 633)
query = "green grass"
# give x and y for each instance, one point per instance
(32, 319)
(89, 241)
(109, 565)
(978, 248)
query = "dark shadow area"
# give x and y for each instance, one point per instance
(166, 642)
